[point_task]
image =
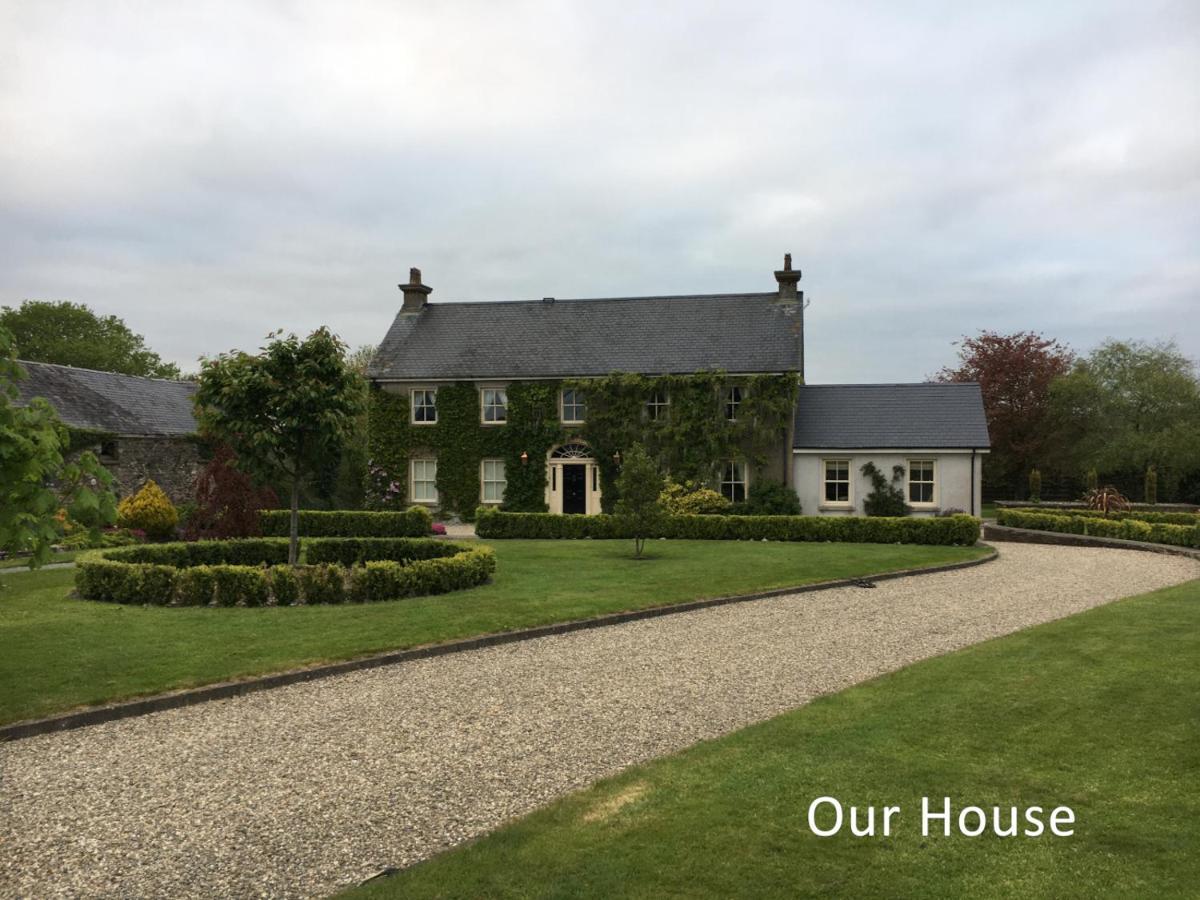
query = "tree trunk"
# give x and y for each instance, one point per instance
(294, 532)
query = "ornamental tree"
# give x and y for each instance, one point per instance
(35, 479)
(640, 485)
(282, 411)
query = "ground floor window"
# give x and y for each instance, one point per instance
(733, 481)
(837, 480)
(920, 480)
(424, 481)
(494, 482)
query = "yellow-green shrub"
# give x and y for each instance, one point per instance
(149, 510)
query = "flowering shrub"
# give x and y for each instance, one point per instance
(384, 490)
(149, 510)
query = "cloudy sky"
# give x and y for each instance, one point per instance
(212, 171)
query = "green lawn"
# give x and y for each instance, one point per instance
(60, 653)
(1098, 712)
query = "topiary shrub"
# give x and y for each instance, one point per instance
(692, 499)
(1150, 491)
(885, 499)
(1035, 485)
(149, 510)
(770, 498)
(283, 585)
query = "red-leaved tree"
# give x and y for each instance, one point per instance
(1014, 372)
(227, 501)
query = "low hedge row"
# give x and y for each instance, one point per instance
(1159, 518)
(1126, 529)
(413, 522)
(963, 530)
(180, 554)
(406, 570)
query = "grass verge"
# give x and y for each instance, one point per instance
(1097, 712)
(61, 653)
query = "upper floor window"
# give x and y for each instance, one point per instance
(574, 410)
(494, 405)
(424, 407)
(920, 480)
(424, 481)
(658, 407)
(837, 480)
(733, 400)
(733, 480)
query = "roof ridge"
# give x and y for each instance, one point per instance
(891, 384)
(31, 362)
(607, 299)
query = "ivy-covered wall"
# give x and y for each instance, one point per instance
(690, 442)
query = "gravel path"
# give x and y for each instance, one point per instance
(306, 789)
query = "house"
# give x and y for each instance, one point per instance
(140, 428)
(529, 404)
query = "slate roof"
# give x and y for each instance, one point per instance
(104, 401)
(862, 416)
(648, 335)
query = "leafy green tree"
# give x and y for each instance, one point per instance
(640, 485)
(282, 411)
(1126, 406)
(71, 334)
(35, 479)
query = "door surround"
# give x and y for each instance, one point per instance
(572, 453)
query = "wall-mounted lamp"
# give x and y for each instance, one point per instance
(617, 457)
(524, 458)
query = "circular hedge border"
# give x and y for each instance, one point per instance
(254, 572)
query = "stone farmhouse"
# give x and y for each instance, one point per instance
(140, 428)
(529, 404)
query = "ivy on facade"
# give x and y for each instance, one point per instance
(689, 438)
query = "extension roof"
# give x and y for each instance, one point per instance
(884, 416)
(540, 339)
(104, 401)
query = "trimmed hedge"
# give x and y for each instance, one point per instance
(490, 523)
(413, 522)
(1125, 529)
(339, 571)
(1161, 518)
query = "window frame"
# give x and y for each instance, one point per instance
(658, 410)
(733, 398)
(576, 403)
(412, 480)
(744, 481)
(484, 481)
(412, 406)
(848, 503)
(483, 404)
(932, 482)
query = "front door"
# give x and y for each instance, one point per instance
(574, 479)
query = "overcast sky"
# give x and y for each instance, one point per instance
(212, 171)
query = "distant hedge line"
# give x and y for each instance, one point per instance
(1161, 518)
(490, 523)
(250, 573)
(1127, 528)
(413, 522)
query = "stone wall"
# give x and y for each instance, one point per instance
(171, 462)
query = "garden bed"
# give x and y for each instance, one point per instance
(948, 530)
(254, 573)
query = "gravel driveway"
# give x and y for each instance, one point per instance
(303, 790)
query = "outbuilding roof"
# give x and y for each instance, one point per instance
(105, 401)
(564, 338)
(931, 415)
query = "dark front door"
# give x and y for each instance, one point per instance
(574, 488)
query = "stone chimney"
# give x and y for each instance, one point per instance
(788, 279)
(415, 293)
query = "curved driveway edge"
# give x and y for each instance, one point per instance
(992, 531)
(221, 690)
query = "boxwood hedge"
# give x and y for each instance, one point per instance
(251, 573)
(1127, 529)
(413, 522)
(490, 523)
(1141, 515)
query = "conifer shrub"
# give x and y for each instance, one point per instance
(149, 510)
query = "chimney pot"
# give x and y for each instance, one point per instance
(415, 293)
